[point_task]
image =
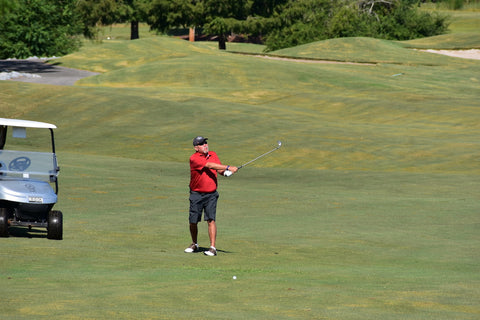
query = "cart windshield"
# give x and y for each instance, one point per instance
(28, 165)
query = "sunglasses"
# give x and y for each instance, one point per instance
(201, 144)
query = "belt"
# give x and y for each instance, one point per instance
(191, 191)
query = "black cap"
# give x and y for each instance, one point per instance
(199, 140)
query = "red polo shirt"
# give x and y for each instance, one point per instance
(203, 179)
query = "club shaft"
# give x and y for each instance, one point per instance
(260, 156)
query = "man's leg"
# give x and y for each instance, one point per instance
(195, 214)
(210, 216)
(194, 232)
(212, 232)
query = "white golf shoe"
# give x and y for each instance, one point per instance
(212, 252)
(193, 248)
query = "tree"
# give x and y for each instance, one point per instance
(224, 16)
(41, 28)
(97, 13)
(265, 8)
(216, 17)
(167, 14)
(299, 22)
(133, 11)
(7, 5)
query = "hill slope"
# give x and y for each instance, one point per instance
(368, 211)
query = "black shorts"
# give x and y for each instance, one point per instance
(206, 202)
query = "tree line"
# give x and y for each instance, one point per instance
(55, 27)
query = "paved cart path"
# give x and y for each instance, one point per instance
(37, 71)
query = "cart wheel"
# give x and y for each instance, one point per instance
(3, 222)
(55, 225)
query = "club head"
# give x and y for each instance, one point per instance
(279, 143)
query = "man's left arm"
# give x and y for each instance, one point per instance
(220, 167)
(215, 164)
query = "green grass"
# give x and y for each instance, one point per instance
(465, 22)
(121, 54)
(368, 50)
(368, 211)
(461, 21)
(446, 42)
(333, 245)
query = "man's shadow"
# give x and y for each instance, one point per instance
(202, 249)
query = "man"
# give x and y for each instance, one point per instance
(204, 166)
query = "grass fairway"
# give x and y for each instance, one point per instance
(333, 245)
(370, 210)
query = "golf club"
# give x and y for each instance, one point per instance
(263, 155)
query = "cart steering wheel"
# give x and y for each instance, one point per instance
(19, 164)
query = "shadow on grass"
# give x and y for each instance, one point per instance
(30, 66)
(24, 232)
(202, 249)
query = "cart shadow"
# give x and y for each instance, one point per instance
(22, 232)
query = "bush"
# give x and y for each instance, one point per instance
(306, 21)
(405, 22)
(40, 28)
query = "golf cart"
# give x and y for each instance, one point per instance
(27, 179)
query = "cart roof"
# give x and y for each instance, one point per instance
(26, 123)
